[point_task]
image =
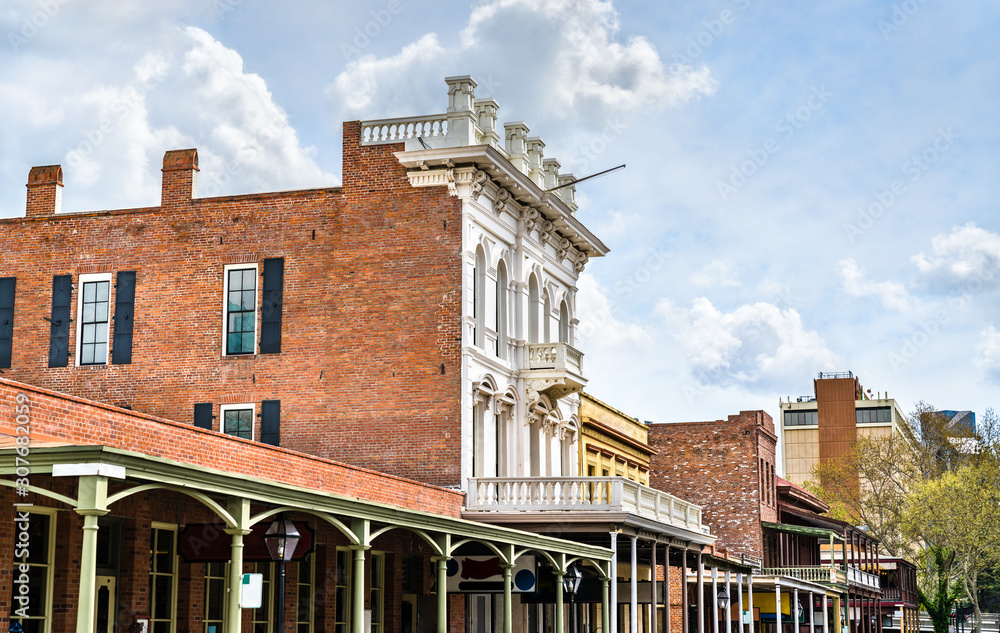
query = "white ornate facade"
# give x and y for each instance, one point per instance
(523, 251)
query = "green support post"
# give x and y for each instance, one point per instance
(442, 592)
(240, 511)
(93, 503)
(605, 604)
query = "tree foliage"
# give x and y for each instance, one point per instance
(930, 493)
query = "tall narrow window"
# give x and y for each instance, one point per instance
(7, 285)
(546, 319)
(304, 604)
(92, 318)
(261, 617)
(532, 309)
(216, 585)
(162, 579)
(237, 419)
(479, 297)
(501, 310)
(38, 554)
(563, 323)
(342, 592)
(241, 310)
(377, 593)
(501, 425)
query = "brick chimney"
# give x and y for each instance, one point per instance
(180, 177)
(44, 191)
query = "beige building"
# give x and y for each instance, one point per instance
(612, 444)
(825, 425)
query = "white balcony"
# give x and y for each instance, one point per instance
(553, 369)
(833, 574)
(526, 495)
(857, 577)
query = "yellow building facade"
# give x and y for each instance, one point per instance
(612, 444)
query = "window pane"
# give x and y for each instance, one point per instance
(88, 355)
(249, 278)
(89, 291)
(88, 312)
(89, 333)
(102, 290)
(247, 324)
(233, 344)
(248, 342)
(235, 280)
(100, 333)
(101, 312)
(100, 352)
(248, 302)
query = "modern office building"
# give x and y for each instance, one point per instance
(825, 426)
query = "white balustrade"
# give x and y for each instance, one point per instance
(588, 494)
(401, 129)
(559, 356)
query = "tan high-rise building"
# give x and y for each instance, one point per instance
(825, 425)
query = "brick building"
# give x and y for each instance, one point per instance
(417, 320)
(728, 467)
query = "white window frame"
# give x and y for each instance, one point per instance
(78, 352)
(225, 306)
(52, 513)
(167, 527)
(236, 407)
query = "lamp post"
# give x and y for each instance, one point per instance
(722, 600)
(281, 538)
(571, 582)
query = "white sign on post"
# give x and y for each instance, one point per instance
(251, 591)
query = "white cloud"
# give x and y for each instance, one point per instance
(598, 327)
(967, 255)
(578, 64)
(716, 274)
(988, 353)
(892, 295)
(758, 344)
(110, 121)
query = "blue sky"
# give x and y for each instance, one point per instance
(810, 186)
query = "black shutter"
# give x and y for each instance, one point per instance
(270, 309)
(270, 422)
(6, 319)
(203, 415)
(62, 292)
(124, 310)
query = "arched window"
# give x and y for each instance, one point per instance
(547, 319)
(563, 323)
(501, 310)
(479, 297)
(532, 309)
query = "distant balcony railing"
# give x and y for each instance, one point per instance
(581, 494)
(401, 129)
(857, 577)
(558, 356)
(813, 573)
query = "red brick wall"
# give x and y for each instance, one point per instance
(78, 421)
(372, 309)
(718, 465)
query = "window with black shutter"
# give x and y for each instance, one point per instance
(124, 309)
(270, 309)
(270, 422)
(62, 292)
(7, 285)
(203, 415)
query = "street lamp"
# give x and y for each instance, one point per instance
(722, 599)
(281, 538)
(571, 582)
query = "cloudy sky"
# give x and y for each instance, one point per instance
(810, 186)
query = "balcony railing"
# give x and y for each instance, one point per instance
(558, 356)
(401, 129)
(813, 573)
(581, 494)
(857, 577)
